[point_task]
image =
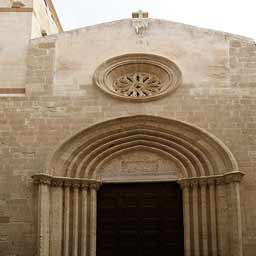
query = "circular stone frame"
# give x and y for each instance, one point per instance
(112, 70)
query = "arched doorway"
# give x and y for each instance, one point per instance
(206, 171)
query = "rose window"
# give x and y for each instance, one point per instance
(137, 84)
(138, 77)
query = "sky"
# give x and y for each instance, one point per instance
(234, 16)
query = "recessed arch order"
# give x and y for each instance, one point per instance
(208, 175)
(200, 152)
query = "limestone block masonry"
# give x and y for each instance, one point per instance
(65, 136)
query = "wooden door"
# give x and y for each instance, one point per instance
(140, 219)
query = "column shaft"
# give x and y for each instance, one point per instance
(237, 241)
(56, 220)
(213, 220)
(204, 218)
(75, 221)
(84, 231)
(93, 219)
(44, 220)
(195, 219)
(222, 234)
(66, 221)
(186, 218)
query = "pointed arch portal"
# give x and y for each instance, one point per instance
(207, 172)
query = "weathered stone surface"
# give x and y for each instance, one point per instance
(217, 94)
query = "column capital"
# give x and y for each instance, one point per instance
(234, 177)
(41, 180)
(85, 186)
(184, 183)
(76, 185)
(203, 181)
(220, 180)
(67, 183)
(211, 181)
(194, 183)
(57, 183)
(95, 186)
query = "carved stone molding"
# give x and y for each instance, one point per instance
(211, 180)
(233, 177)
(138, 77)
(65, 182)
(41, 179)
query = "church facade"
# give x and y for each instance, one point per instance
(132, 137)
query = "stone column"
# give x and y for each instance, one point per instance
(64, 230)
(43, 216)
(222, 233)
(56, 218)
(93, 218)
(66, 242)
(233, 180)
(194, 185)
(84, 220)
(213, 224)
(75, 219)
(186, 216)
(203, 187)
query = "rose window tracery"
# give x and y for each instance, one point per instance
(138, 77)
(137, 84)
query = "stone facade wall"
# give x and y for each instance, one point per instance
(217, 94)
(243, 82)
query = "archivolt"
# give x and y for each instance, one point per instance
(198, 152)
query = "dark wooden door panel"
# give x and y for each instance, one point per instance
(140, 219)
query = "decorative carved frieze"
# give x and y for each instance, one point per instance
(64, 182)
(211, 180)
(41, 179)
